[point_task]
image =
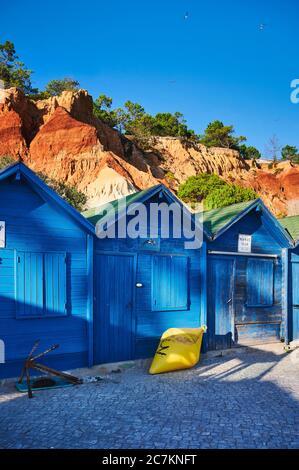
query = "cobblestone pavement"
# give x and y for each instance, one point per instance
(246, 401)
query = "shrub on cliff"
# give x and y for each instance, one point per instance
(56, 87)
(196, 188)
(219, 135)
(213, 191)
(6, 161)
(229, 194)
(69, 193)
(13, 72)
(172, 125)
(102, 109)
(249, 153)
(290, 152)
(132, 119)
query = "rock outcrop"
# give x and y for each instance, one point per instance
(13, 124)
(183, 159)
(61, 137)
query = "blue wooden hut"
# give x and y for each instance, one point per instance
(291, 224)
(144, 285)
(247, 276)
(110, 299)
(46, 278)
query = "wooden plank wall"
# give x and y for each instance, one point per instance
(32, 225)
(269, 321)
(151, 324)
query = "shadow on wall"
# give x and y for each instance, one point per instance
(20, 333)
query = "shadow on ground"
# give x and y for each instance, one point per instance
(243, 400)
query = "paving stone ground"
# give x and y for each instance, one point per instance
(246, 401)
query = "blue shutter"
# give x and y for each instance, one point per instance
(260, 282)
(29, 284)
(170, 283)
(55, 283)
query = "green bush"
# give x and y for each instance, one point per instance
(290, 152)
(249, 153)
(69, 193)
(56, 87)
(218, 135)
(6, 161)
(213, 191)
(197, 188)
(13, 72)
(169, 176)
(227, 195)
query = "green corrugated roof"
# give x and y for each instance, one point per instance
(292, 225)
(216, 219)
(95, 214)
(213, 220)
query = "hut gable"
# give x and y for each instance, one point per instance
(247, 276)
(155, 282)
(252, 218)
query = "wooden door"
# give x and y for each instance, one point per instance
(221, 301)
(114, 325)
(295, 300)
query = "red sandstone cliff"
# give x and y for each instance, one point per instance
(61, 137)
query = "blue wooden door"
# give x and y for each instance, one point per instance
(220, 305)
(114, 324)
(295, 300)
(7, 288)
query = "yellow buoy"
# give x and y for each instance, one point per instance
(179, 348)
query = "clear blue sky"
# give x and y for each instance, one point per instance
(216, 64)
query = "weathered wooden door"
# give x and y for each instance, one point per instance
(295, 300)
(114, 324)
(258, 300)
(221, 301)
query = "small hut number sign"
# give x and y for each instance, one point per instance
(2, 234)
(244, 243)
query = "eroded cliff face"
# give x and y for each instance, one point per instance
(61, 137)
(185, 159)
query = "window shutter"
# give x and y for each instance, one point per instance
(55, 283)
(260, 282)
(170, 283)
(29, 284)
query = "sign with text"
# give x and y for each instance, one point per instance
(2, 234)
(244, 243)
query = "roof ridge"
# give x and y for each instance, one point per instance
(97, 209)
(288, 217)
(230, 205)
(33, 178)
